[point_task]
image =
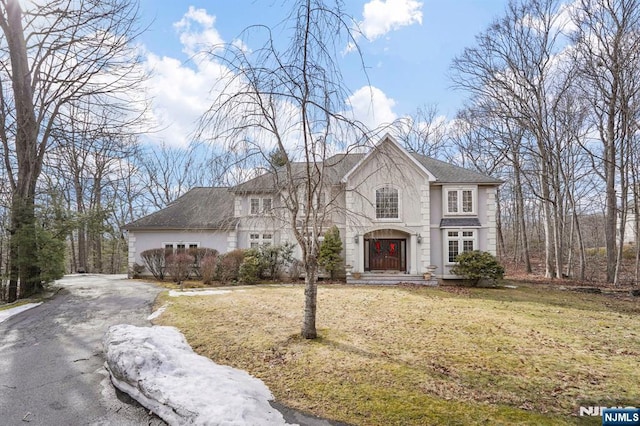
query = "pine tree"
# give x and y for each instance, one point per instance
(329, 257)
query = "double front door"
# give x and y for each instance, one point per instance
(386, 254)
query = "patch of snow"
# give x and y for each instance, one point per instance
(8, 313)
(157, 313)
(176, 293)
(156, 366)
(510, 286)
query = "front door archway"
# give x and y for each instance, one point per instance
(387, 254)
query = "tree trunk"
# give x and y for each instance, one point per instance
(520, 217)
(547, 217)
(310, 298)
(23, 270)
(23, 246)
(82, 229)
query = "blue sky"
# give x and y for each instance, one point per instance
(408, 51)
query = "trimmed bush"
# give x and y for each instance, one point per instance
(249, 272)
(155, 261)
(476, 265)
(179, 267)
(199, 253)
(209, 267)
(273, 259)
(229, 265)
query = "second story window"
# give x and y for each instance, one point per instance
(266, 205)
(387, 203)
(260, 206)
(255, 206)
(460, 201)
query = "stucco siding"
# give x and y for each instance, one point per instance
(388, 166)
(140, 241)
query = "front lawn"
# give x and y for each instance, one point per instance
(403, 356)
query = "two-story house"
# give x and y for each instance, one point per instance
(398, 213)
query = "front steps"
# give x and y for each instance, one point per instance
(382, 278)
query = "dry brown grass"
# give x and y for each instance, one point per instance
(402, 356)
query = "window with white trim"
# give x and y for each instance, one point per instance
(179, 247)
(260, 206)
(387, 201)
(460, 201)
(459, 241)
(266, 205)
(254, 206)
(256, 239)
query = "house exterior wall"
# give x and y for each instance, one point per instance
(140, 241)
(485, 234)
(422, 206)
(435, 233)
(630, 236)
(388, 166)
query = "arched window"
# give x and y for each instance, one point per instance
(386, 203)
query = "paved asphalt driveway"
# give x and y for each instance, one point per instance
(51, 358)
(52, 364)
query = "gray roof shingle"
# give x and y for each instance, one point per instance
(339, 165)
(448, 222)
(212, 208)
(199, 208)
(336, 167)
(448, 173)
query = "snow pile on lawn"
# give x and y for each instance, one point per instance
(8, 313)
(157, 367)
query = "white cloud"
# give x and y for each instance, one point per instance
(182, 93)
(384, 16)
(372, 106)
(179, 97)
(196, 29)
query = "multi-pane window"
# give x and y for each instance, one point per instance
(179, 247)
(256, 239)
(452, 201)
(460, 201)
(266, 205)
(459, 242)
(255, 206)
(467, 201)
(387, 203)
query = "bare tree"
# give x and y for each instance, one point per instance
(425, 132)
(54, 55)
(514, 71)
(608, 58)
(168, 172)
(291, 101)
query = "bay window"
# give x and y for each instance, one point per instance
(459, 241)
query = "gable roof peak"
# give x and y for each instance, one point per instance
(388, 138)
